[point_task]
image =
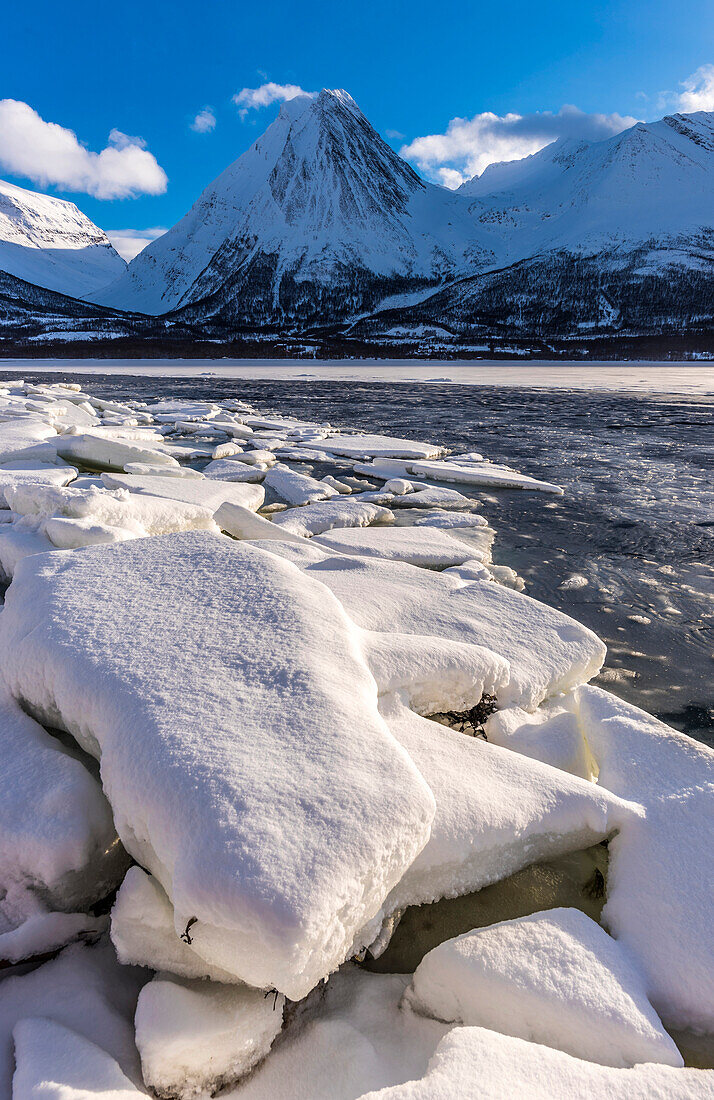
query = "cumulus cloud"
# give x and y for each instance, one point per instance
(204, 122)
(130, 242)
(470, 144)
(49, 154)
(251, 98)
(698, 94)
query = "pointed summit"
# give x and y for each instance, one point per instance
(319, 218)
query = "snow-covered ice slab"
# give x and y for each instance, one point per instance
(198, 1037)
(554, 978)
(496, 812)
(329, 514)
(55, 1063)
(425, 547)
(58, 845)
(204, 708)
(297, 488)
(37, 472)
(472, 1063)
(484, 474)
(548, 652)
(497, 477)
(241, 523)
(356, 1040)
(22, 435)
(659, 896)
(84, 989)
(450, 520)
(379, 446)
(201, 491)
(103, 452)
(143, 931)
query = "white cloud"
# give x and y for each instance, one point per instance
(251, 98)
(698, 94)
(48, 154)
(394, 135)
(204, 122)
(470, 144)
(130, 242)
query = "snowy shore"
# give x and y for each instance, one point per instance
(251, 722)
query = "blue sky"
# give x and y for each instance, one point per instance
(148, 69)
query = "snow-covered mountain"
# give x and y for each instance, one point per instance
(319, 218)
(651, 184)
(49, 243)
(321, 229)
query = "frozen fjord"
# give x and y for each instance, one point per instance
(261, 710)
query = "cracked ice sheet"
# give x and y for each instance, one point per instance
(195, 702)
(548, 652)
(472, 1063)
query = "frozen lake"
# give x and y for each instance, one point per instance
(639, 377)
(628, 550)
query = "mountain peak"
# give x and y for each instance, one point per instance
(319, 197)
(48, 242)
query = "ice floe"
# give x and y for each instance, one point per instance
(201, 1036)
(554, 978)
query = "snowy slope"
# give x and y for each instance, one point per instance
(318, 203)
(48, 242)
(651, 184)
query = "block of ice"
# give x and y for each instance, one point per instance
(425, 547)
(58, 845)
(552, 734)
(143, 931)
(213, 700)
(203, 492)
(197, 1037)
(101, 452)
(328, 514)
(378, 446)
(659, 896)
(297, 488)
(84, 989)
(554, 978)
(548, 652)
(496, 812)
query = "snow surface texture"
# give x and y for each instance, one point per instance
(554, 978)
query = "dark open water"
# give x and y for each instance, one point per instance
(636, 522)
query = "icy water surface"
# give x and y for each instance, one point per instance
(628, 550)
